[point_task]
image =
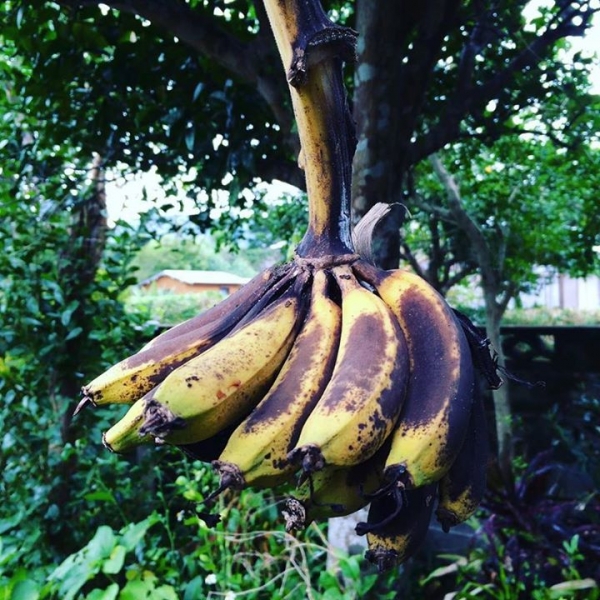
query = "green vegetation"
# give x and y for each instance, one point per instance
(200, 252)
(93, 91)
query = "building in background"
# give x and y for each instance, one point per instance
(183, 281)
(562, 291)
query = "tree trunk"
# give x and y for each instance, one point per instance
(502, 409)
(78, 266)
(374, 178)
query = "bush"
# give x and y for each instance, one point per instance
(167, 308)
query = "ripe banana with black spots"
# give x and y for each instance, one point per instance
(436, 411)
(363, 399)
(214, 389)
(334, 492)
(239, 302)
(462, 488)
(397, 525)
(133, 377)
(256, 453)
(401, 380)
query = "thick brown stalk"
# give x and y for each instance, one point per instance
(313, 49)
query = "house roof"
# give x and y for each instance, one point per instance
(194, 277)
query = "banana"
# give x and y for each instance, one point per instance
(125, 433)
(240, 302)
(128, 380)
(462, 488)
(362, 401)
(213, 390)
(256, 453)
(334, 492)
(435, 415)
(209, 449)
(397, 525)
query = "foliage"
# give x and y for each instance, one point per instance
(199, 252)
(74, 519)
(172, 554)
(531, 542)
(197, 91)
(166, 308)
(551, 317)
(506, 582)
(530, 201)
(539, 536)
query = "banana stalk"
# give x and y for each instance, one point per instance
(313, 49)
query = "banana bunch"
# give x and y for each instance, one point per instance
(346, 383)
(336, 382)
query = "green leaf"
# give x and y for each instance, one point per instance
(135, 532)
(7, 524)
(110, 593)
(332, 594)
(328, 580)
(26, 589)
(136, 589)
(72, 577)
(73, 333)
(194, 589)
(165, 592)
(101, 544)
(350, 568)
(115, 561)
(190, 138)
(102, 495)
(65, 317)
(571, 587)
(197, 91)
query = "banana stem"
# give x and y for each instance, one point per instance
(313, 50)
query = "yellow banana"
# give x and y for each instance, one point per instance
(334, 492)
(435, 415)
(130, 379)
(361, 403)
(462, 488)
(397, 525)
(222, 385)
(125, 433)
(240, 302)
(256, 453)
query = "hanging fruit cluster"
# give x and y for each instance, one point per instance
(345, 383)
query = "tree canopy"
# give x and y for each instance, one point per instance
(181, 85)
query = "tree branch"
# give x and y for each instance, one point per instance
(470, 100)
(464, 221)
(249, 61)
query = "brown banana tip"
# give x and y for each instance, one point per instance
(82, 404)
(362, 528)
(383, 559)
(106, 444)
(294, 515)
(396, 474)
(446, 519)
(309, 456)
(230, 474)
